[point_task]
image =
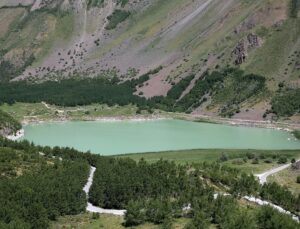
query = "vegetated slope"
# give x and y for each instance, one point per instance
(55, 39)
(8, 125)
(39, 184)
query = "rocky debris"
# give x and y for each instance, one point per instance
(253, 40)
(240, 53)
(296, 165)
(241, 49)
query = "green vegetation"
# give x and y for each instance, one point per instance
(239, 159)
(64, 93)
(273, 58)
(94, 3)
(8, 124)
(236, 89)
(286, 103)
(36, 189)
(49, 185)
(294, 8)
(116, 18)
(288, 178)
(296, 133)
(221, 86)
(89, 221)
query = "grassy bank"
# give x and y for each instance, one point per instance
(254, 161)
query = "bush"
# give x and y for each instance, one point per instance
(268, 161)
(282, 160)
(298, 179)
(293, 160)
(116, 18)
(224, 157)
(255, 161)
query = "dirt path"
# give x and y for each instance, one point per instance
(90, 207)
(51, 108)
(263, 176)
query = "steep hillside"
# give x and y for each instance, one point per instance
(55, 39)
(8, 125)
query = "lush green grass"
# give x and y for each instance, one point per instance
(235, 157)
(288, 178)
(38, 111)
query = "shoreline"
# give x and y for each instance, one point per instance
(280, 126)
(133, 118)
(14, 137)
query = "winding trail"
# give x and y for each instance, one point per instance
(90, 207)
(263, 176)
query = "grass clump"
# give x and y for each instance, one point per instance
(116, 18)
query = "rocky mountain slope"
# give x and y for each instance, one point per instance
(55, 39)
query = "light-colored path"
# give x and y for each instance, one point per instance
(90, 207)
(267, 203)
(263, 176)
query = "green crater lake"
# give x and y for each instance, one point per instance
(122, 137)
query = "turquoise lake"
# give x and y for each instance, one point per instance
(110, 138)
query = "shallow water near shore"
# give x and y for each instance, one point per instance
(122, 137)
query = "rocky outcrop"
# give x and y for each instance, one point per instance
(240, 51)
(253, 40)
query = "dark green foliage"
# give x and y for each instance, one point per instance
(236, 89)
(127, 180)
(8, 123)
(202, 87)
(228, 214)
(199, 221)
(245, 185)
(294, 8)
(286, 103)
(178, 88)
(37, 197)
(296, 133)
(94, 3)
(298, 179)
(269, 218)
(135, 214)
(155, 192)
(282, 160)
(70, 92)
(281, 196)
(116, 18)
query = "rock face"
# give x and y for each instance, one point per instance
(240, 51)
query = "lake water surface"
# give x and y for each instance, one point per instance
(109, 138)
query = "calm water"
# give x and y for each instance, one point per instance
(108, 138)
